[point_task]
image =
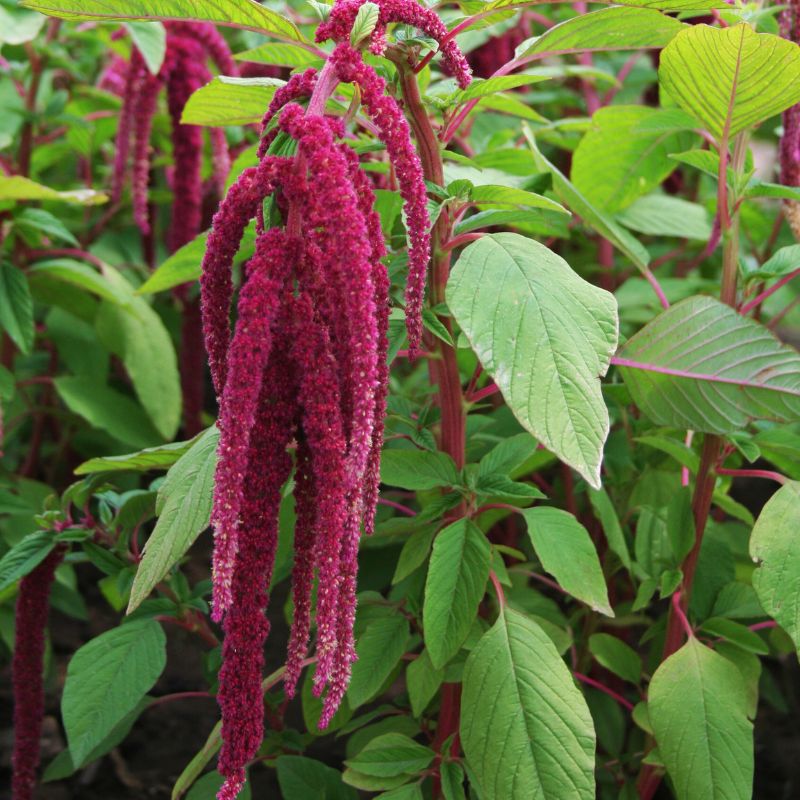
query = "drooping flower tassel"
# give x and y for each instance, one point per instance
(790, 140)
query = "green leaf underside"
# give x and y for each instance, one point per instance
(161, 457)
(773, 544)
(525, 727)
(566, 551)
(617, 28)
(247, 14)
(701, 365)
(730, 78)
(545, 336)
(184, 511)
(16, 187)
(456, 581)
(230, 101)
(697, 705)
(106, 679)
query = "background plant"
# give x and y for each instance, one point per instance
(582, 579)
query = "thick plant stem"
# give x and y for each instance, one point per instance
(649, 779)
(444, 367)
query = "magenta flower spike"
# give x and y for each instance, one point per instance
(33, 604)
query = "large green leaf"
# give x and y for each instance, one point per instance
(545, 335)
(615, 163)
(525, 727)
(184, 511)
(616, 28)
(592, 216)
(391, 754)
(247, 14)
(418, 469)
(230, 101)
(665, 215)
(730, 78)
(379, 649)
(773, 543)
(697, 705)
(302, 778)
(106, 679)
(16, 307)
(566, 551)
(134, 331)
(701, 365)
(454, 587)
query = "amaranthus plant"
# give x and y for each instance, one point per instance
(400, 401)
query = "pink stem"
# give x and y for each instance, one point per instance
(501, 597)
(685, 470)
(759, 626)
(753, 473)
(168, 698)
(398, 506)
(457, 241)
(603, 688)
(681, 615)
(757, 301)
(487, 391)
(653, 281)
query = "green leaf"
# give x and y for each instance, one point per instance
(230, 101)
(25, 556)
(730, 78)
(18, 25)
(525, 727)
(304, 778)
(136, 333)
(614, 163)
(379, 649)
(454, 587)
(364, 23)
(280, 54)
(706, 161)
(488, 195)
(506, 457)
(516, 299)
(697, 705)
(736, 633)
(411, 791)
(783, 262)
(161, 457)
(566, 551)
(107, 409)
(106, 679)
(151, 40)
(16, 307)
(607, 29)
(423, 681)
(664, 215)
(418, 469)
(701, 365)
(773, 544)
(83, 276)
(184, 511)
(680, 524)
(390, 755)
(616, 656)
(606, 513)
(414, 552)
(247, 14)
(452, 778)
(483, 87)
(38, 220)
(590, 214)
(15, 187)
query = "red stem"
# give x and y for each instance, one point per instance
(753, 473)
(603, 688)
(757, 301)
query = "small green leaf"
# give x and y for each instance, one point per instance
(16, 307)
(18, 25)
(773, 545)
(454, 587)
(417, 469)
(151, 40)
(38, 220)
(736, 633)
(364, 23)
(783, 262)
(616, 656)
(379, 649)
(513, 296)
(184, 512)
(106, 679)
(730, 78)
(25, 556)
(525, 727)
(209, 785)
(161, 457)
(423, 681)
(697, 705)
(16, 187)
(414, 552)
(390, 755)
(606, 513)
(566, 551)
(280, 54)
(452, 777)
(665, 215)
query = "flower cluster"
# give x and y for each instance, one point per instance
(27, 670)
(305, 370)
(189, 47)
(790, 141)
